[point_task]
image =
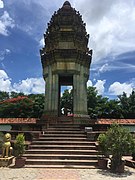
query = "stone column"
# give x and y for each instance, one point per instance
(53, 92)
(46, 95)
(83, 91)
(56, 95)
(80, 92)
(75, 92)
(56, 92)
(50, 89)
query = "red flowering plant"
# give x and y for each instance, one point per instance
(16, 107)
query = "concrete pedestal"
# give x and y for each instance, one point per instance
(5, 162)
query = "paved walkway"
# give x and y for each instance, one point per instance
(63, 174)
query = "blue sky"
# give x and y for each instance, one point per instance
(111, 25)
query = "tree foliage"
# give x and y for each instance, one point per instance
(66, 100)
(4, 95)
(18, 105)
(19, 145)
(127, 105)
(117, 141)
(102, 107)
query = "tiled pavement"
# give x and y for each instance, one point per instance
(63, 174)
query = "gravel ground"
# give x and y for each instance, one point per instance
(63, 174)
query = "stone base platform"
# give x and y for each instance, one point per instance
(5, 162)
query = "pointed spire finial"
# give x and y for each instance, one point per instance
(66, 4)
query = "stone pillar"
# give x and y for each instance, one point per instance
(46, 95)
(80, 92)
(53, 93)
(75, 94)
(50, 88)
(56, 94)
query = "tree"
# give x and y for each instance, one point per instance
(4, 95)
(38, 104)
(66, 101)
(111, 109)
(16, 107)
(118, 142)
(127, 105)
(15, 94)
(22, 106)
(95, 102)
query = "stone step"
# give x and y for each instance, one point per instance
(51, 146)
(60, 156)
(60, 166)
(63, 135)
(63, 132)
(61, 162)
(65, 125)
(65, 122)
(63, 129)
(61, 139)
(63, 143)
(62, 151)
(65, 118)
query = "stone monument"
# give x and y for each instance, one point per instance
(6, 157)
(66, 60)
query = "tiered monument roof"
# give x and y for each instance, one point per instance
(66, 32)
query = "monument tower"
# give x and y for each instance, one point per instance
(66, 60)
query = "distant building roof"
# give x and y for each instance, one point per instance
(119, 121)
(18, 120)
(34, 120)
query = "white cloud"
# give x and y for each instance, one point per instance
(5, 82)
(103, 68)
(63, 88)
(89, 83)
(100, 86)
(110, 24)
(41, 43)
(4, 53)
(5, 22)
(98, 69)
(118, 88)
(125, 67)
(3, 74)
(1, 4)
(30, 85)
(69, 88)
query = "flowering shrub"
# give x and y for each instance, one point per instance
(21, 106)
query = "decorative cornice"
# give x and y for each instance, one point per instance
(68, 55)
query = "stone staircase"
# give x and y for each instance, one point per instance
(63, 145)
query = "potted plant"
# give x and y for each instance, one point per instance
(102, 149)
(133, 154)
(119, 142)
(19, 147)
